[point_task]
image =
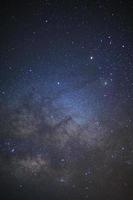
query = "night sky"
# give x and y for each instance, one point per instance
(66, 100)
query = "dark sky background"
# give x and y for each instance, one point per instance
(66, 93)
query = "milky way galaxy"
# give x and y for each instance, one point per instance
(66, 96)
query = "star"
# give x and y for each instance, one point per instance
(105, 83)
(62, 180)
(30, 70)
(3, 92)
(12, 150)
(91, 57)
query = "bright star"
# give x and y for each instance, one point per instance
(105, 83)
